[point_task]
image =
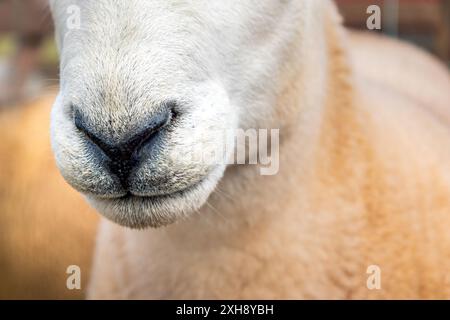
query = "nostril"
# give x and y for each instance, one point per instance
(172, 107)
(156, 123)
(81, 125)
(123, 155)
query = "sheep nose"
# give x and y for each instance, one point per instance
(124, 156)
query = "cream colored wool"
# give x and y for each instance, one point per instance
(364, 158)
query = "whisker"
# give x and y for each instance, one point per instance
(221, 192)
(216, 211)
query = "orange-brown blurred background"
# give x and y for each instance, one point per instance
(38, 239)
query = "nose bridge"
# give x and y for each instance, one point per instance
(119, 110)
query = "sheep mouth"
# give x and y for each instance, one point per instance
(129, 196)
(139, 212)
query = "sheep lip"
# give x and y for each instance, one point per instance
(129, 196)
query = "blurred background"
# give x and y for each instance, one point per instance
(423, 22)
(34, 253)
(28, 59)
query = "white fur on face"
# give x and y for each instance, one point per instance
(219, 61)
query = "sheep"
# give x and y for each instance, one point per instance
(364, 151)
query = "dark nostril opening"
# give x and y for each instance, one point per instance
(135, 143)
(123, 156)
(81, 125)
